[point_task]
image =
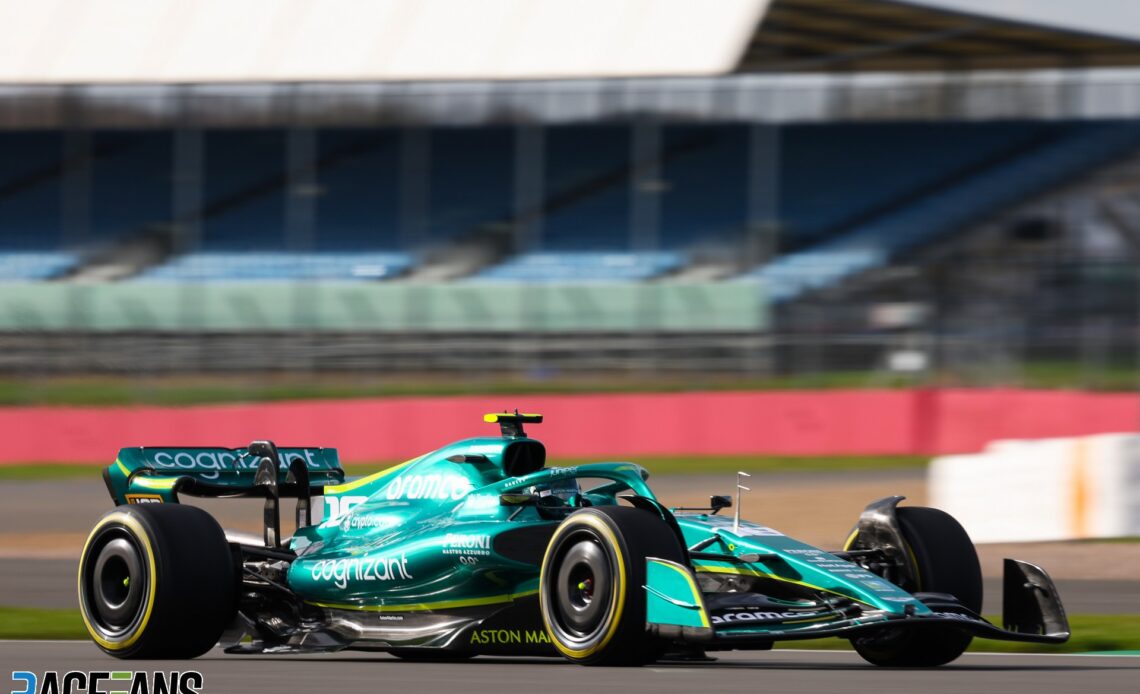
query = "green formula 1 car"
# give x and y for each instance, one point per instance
(480, 548)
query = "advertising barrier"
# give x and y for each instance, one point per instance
(1050, 489)
(599, 426)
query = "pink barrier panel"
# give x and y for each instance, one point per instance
(862, 422)
(969, 419)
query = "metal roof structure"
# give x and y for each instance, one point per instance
(290, 41)
(796, 98)
(264, 63)
(932, 35)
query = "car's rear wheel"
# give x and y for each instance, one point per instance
(591, 587)
(157, 581)
(943, 561)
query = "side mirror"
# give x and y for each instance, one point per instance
(515, 499)
(718, 501)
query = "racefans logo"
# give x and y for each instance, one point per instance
(101, 682)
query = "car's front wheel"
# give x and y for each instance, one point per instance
(157, 581)
(943, 561)
(591, 587)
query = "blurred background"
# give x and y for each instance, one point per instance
(823, 240)
(803, 192)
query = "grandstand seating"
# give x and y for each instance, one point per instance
(586, 205)
(584, 267)
(831, 176)
(836, 177)
(237, 266)
(131, 187)
(29, 208)
(357, 189)
(851, 196)
(33, 265)
(877, 241)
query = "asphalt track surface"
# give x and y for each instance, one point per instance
(51, 583)
(803, 672)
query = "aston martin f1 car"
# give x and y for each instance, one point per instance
(481, 548)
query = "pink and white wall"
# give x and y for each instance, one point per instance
(621, 426)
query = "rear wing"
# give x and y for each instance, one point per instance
(260, 470)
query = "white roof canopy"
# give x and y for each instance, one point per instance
(179, 41)
(67, 42)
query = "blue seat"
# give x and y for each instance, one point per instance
(882, 239)
(584, 267)
(282, 266)
(34, 265)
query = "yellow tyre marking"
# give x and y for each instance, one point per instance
(140, 533)
(913, 563)
(617, 600)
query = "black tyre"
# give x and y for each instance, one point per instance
(157, 581)
(591, 587)
(944, 561)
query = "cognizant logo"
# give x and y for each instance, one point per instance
(102, 682)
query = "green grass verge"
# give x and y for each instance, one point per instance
(207, 388)
(48, 471)
(1090, 632)
(1113, 540)
(657, 465)
(39, 623)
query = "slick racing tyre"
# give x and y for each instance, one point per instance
(944, 561)
(591, 586)
(157, 581)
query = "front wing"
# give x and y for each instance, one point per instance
(677, 610)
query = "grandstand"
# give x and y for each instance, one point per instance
(793, 159)
(851, 196)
